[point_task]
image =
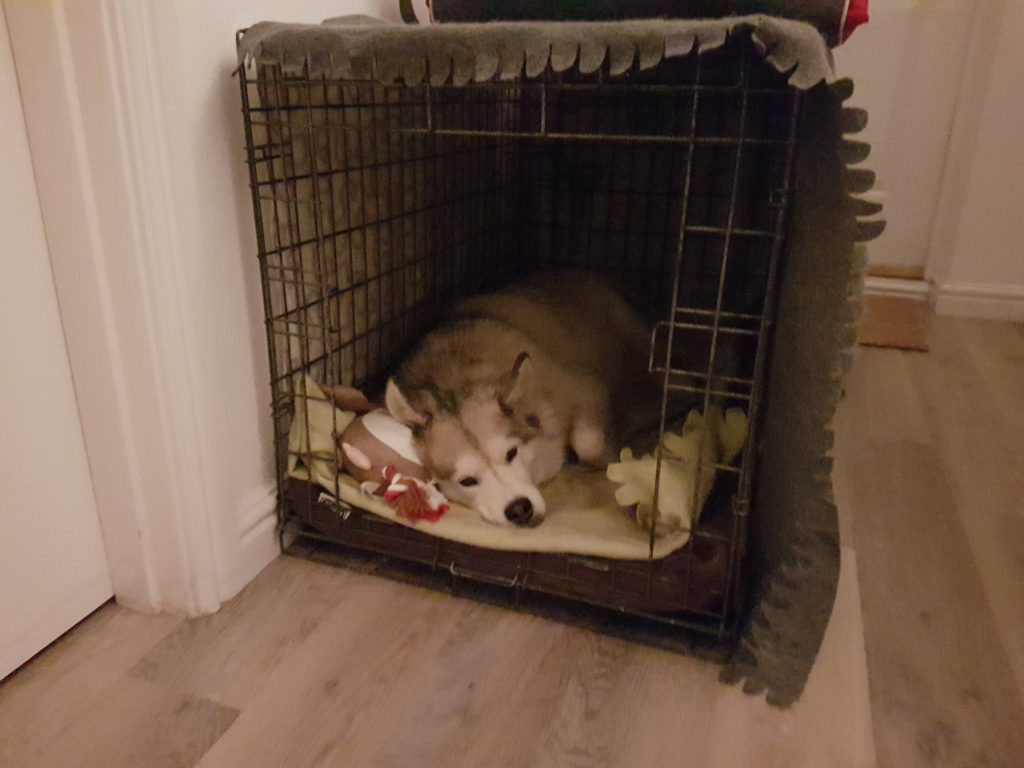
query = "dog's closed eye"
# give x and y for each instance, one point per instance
(468, 482)
(511, 455)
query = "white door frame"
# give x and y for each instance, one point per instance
(89, 77)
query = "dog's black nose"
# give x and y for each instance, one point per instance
(519, 511)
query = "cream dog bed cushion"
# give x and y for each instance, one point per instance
(583, 517)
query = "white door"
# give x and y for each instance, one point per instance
(53, 569)
(906, 64)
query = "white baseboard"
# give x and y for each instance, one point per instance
(987, 301)
(255, 507)
(892, 286)
(257, 539)
(256, 550)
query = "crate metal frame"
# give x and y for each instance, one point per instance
(329, 314)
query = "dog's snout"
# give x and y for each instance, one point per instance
(519, 511)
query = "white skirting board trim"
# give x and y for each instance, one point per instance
(891, 286)
(257, 539)
(987, 301)
(256, 549)
(256, 507)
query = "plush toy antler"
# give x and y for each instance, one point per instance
(704, 444)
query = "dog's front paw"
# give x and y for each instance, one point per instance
(590, 444)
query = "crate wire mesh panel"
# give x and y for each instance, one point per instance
(378, 204)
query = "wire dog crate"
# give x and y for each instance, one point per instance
(392, 174)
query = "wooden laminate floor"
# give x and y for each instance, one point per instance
(923, 662)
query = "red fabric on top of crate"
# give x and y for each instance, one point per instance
(856, 14)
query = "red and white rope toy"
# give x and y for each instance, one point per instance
(411, 498)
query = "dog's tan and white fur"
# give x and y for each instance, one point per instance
(512, 379)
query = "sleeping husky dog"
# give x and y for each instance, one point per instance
(499, 392)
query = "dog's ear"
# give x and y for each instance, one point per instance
(517, 382)
(401, 409)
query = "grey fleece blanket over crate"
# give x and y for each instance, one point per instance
(361, 48)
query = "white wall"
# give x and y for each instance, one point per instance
(978, 242)
(217, 257)
(941, 81)
(906, 66)
(218, 265)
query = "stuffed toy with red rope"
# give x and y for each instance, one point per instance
(377, 452)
